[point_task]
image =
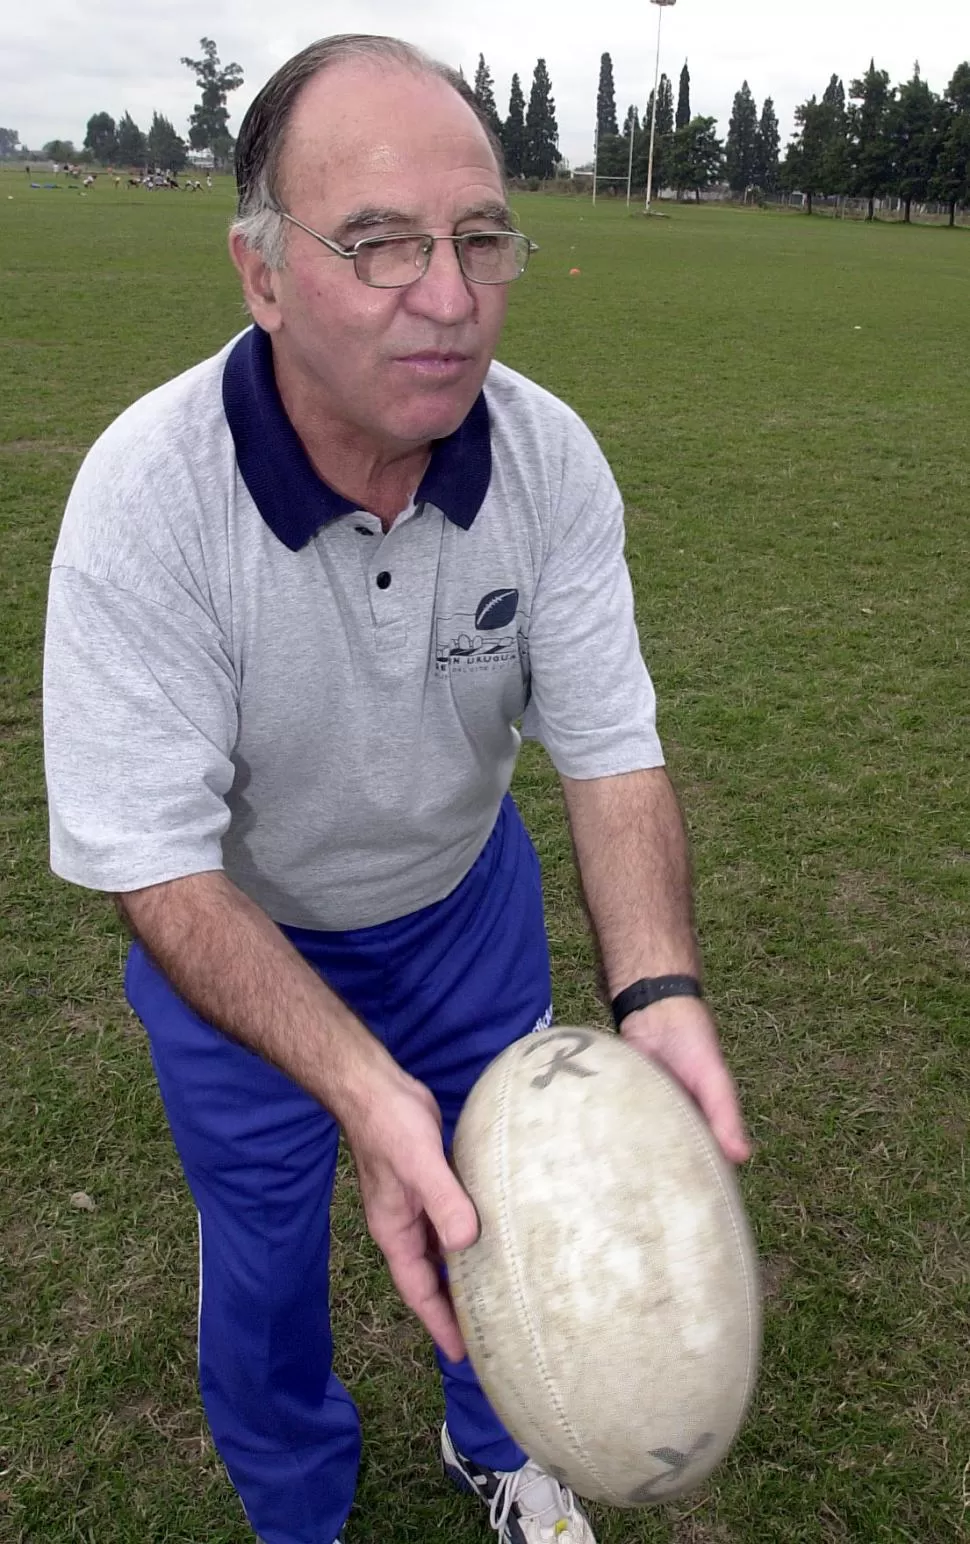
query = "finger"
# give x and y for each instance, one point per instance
(421, 1287)
(714, 1090)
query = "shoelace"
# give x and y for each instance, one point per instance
(537, 1496)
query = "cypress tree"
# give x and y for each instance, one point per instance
(484, 91)
(915, 132)
(683, 99)
(768, 145)
(816, 159)
(870, 139)
(742, 141)
(665, 107)
(663, 138)
(834, 95)
(541, 129)
(606, 100)
(131, 147)
(166, 149)
(513, 131)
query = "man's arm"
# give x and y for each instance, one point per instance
(631, 851)
(233, 965)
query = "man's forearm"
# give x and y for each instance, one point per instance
(233, 965)
(631, 851)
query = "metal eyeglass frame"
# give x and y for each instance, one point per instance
(373, 241)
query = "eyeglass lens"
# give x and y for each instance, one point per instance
(486, 257)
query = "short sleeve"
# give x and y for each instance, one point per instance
(592, 702)
(140, 718)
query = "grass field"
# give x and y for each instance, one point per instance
(787, 406)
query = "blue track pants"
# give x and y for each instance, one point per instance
(445, 989)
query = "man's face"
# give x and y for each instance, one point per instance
(381, 151)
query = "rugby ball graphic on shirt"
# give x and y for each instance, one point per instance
(496, 609)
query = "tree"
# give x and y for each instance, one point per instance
(606, 100)
(9, 140)
(816, 160)
(767, 145)
(663, 139)
(209, 123)
(541, 154)
(914, 132)
(665, 107)
(870, 136)
(614, 155)
(484, 91)
(834, 96)
(802, 170)
(59, 150)
(513, 131)
(951, 178)
(836, 170)
(131, 144)
(683, 99)
(697, 156)
(101, 138)
(165, 148)
(741, 148)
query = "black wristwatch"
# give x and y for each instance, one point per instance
(653, 989)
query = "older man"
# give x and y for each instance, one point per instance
(302, 597)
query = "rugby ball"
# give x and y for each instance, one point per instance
(611, 1304)
(496, 609)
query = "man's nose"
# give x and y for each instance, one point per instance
(443, 290)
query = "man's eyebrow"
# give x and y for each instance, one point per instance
(499, 214)
(362, 222)
(372, 218)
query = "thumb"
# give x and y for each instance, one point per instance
(451, 1211)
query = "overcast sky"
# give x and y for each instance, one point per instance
(61, 61)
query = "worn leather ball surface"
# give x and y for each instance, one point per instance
(611, 1306)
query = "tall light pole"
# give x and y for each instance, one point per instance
(653, 115)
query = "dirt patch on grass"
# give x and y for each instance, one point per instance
(172, 1423)
(775, 1271)
(859, 895)
(694, 1530)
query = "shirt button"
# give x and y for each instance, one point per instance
(383, 579)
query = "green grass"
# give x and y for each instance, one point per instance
(785, 404)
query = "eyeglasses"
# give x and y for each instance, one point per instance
(392, 262)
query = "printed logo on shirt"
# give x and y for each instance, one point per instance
(543, 1022)
(492, 637)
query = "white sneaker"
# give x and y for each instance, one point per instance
(525, 1506)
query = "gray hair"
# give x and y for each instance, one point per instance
(259, 148)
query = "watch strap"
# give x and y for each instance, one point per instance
(652, 989)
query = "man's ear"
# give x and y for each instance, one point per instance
(259, 283)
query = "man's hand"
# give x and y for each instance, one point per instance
(679, 1033)
(414, 1205)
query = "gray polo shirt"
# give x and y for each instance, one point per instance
(242, 672)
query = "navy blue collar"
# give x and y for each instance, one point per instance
(292, 499)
